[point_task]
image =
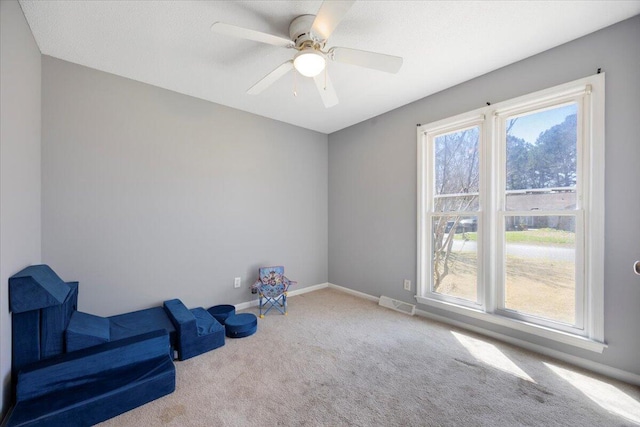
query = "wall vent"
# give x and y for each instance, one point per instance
(394, 304)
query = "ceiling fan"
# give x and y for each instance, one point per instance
(308, 36)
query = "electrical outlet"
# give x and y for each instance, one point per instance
(407, 284)
(236, 282)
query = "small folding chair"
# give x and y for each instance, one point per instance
(272, 286)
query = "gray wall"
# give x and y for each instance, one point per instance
(20, 97)
(149, 195)
(372, 182)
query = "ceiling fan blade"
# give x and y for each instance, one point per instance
(329, 16)
(327, 92)
(270, 78)
(245, 33)
(376, 61)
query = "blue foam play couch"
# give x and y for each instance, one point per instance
(86, 387)
(71, 368)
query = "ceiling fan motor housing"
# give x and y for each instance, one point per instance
(300, 31)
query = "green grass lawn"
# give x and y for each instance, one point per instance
(542, 235)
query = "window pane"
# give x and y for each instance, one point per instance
(455, 256)
(541, 159)
(457, 163)
(540, 267)
(456, 203)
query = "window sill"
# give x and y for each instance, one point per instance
(518, 325)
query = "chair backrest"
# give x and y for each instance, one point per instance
(271, 275)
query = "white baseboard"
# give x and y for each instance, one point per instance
(355, 293)
(596, 367)
(247, 304)
(307, 289)
(255, 302)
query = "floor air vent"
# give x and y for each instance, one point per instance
(396, 305)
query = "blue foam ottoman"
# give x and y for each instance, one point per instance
(241, 325)
(221, 312)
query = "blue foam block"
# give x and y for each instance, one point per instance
(241, 325)
(221, 312)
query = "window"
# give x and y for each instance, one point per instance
(510, 213)
(455, 206)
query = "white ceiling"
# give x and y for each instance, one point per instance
(169, 44)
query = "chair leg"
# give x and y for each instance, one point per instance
(261, 315)
(267, 303)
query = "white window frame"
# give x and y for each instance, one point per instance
(462, 123)
(588, 333)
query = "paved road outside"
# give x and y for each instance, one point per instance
(559, 253)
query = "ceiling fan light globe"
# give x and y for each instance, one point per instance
(309, 64)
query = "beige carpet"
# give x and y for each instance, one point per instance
(339, 360)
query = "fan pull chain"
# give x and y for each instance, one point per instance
(295, 84)
(325, 77)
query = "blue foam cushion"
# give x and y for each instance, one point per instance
(221, 312)
(50, 376)
(39, 334)
(110, 395)
(54, 321)
(179, 314)
(91, 385)
(138, 322)
(198, 331)
(205, 323)
(86, 330)
(25, 339)
(241, 325)
(36, 287)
